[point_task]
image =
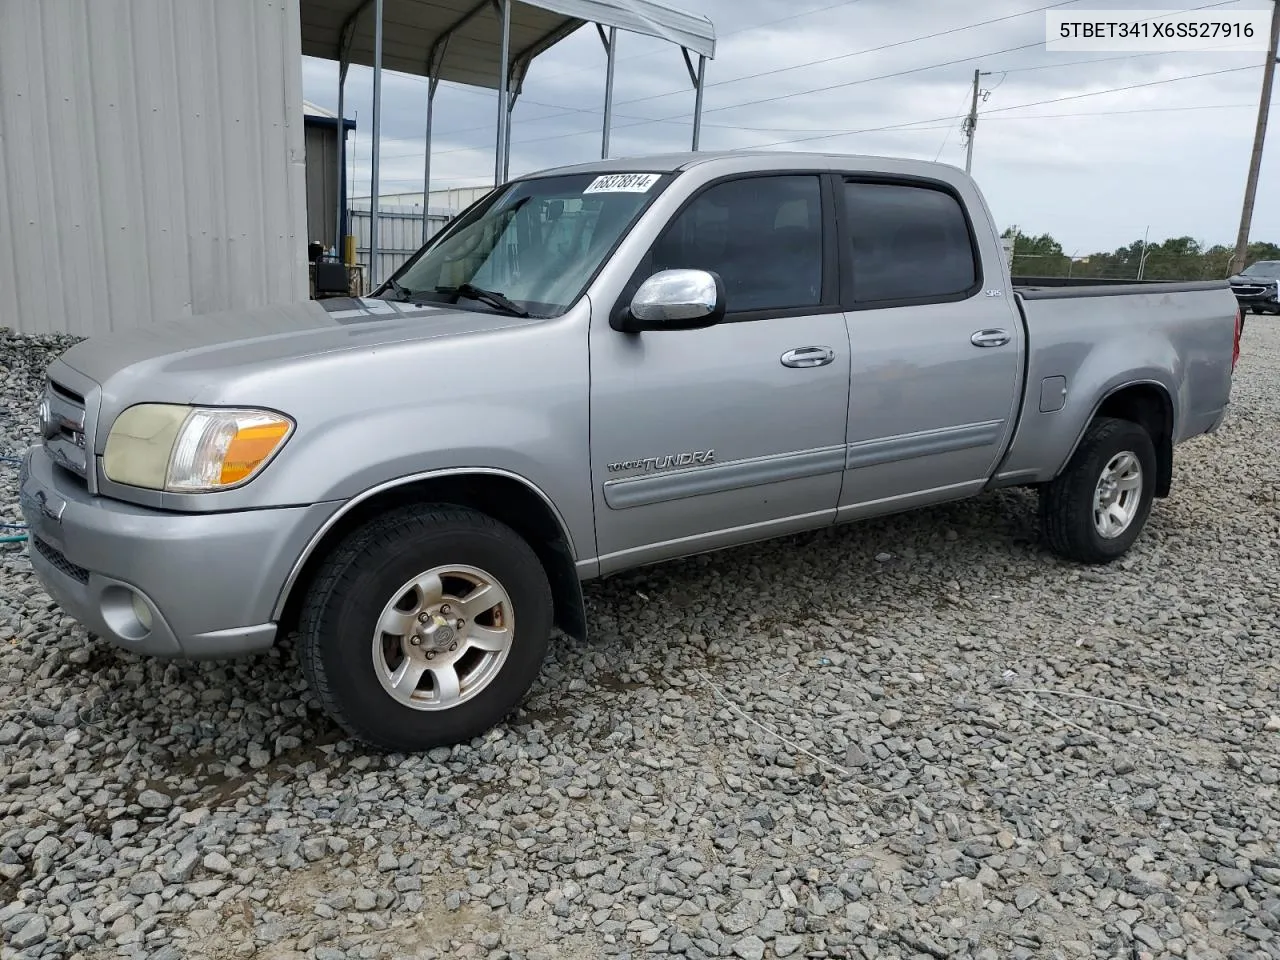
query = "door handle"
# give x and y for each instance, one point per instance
(808, 357)
(990, 338)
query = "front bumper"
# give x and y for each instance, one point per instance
(200, 586)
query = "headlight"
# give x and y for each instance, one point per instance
(182, 449)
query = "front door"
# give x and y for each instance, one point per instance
(936, 348)
(705, 438)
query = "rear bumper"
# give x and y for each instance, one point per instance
(199, 586)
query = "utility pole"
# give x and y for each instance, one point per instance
(970, 125)
(1259, 135)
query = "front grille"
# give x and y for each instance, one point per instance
(1250, 289)
(62, 417)
(59, 560)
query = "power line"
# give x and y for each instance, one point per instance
(883, 76)
(683, 117)
(940, 123)
(1117, 113)
(1040, 103)
(950, 130)
(933, 123)
(962, 60)
(900, 43)
(916, 126)
(565, 111)
(859, 53)
(639, 121)
(569, 111)
(1095, 93)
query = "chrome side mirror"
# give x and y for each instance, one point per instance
(677, 300)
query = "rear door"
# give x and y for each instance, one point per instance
(706, 438)
(936, 347)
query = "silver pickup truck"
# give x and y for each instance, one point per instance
(593, 368)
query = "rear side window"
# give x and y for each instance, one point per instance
(908, 243)
(762, 235)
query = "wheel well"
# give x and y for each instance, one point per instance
(1148, 406)
(503, 498)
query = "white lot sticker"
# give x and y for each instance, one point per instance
(623, 183)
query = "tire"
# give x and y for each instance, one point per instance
(432, 558)
(1067, 505)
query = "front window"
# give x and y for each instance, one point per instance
(1265, 268)
(762, 235)
(536, 243)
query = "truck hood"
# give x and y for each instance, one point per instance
(240, 340)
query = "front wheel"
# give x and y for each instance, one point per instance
(1097, 507)
(425, 628)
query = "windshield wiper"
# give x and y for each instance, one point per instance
(491, 297)
(398, 289)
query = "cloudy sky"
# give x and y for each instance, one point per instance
(1059, 148)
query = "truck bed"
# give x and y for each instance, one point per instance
(1088, 338)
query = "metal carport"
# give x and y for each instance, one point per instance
(486, 44)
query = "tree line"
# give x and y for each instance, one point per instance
(1178, 258)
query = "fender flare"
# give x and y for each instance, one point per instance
(350, 504)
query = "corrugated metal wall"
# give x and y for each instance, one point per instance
(151, 160)
(399, 234)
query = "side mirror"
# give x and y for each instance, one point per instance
(675, 300)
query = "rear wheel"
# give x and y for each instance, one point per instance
(1095, 510)
(425, 628)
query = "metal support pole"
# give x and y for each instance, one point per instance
(610, 44)
(342, 159)
(377, 144)
(426, 156)
(1255, 159)
(971, 123)
(697, 102)
(506, 141)
(435, 60)
(504, 105)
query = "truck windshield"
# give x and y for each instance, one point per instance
(1264, 268)
(535, 244)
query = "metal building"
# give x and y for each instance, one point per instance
(151, 160)
(155, 161)
(321, 133)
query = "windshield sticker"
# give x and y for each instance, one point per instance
(623, 183)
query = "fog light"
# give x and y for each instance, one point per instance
(126, 613)
(142, 612)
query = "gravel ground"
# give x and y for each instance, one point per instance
(917, 737)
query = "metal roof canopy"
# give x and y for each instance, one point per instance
(490, 44)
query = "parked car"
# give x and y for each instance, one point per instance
(1255, 287)
(715, 349)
